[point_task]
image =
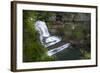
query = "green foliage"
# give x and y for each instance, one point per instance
(86, 54)
(32, 48)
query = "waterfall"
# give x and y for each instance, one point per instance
(58, 49)
(47, 40)
(45, 37)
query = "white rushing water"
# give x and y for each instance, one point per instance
(47, 40)
(58, 49)
(45, 37)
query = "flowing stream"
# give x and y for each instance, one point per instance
(58, 49)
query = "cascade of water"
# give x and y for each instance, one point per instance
(58, 49)
(47, 40)
(45, 37)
